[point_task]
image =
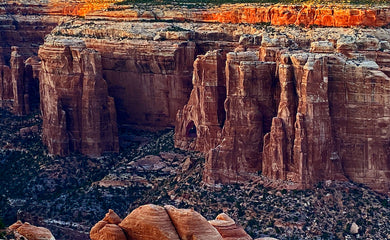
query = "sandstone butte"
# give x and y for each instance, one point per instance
(154, 222)
(299, 104)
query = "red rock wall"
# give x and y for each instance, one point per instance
(300, 15)
(23, 26)
(200, 122)
(249, 108)
(322, 117)
(150, 81)
(359, 105)
(78, 115)
(305, 154)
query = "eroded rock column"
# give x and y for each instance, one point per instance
(199, 124)
(249, 109)
(78, 115)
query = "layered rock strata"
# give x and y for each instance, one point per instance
(23, 26)
(249, 88)
(149, 80)
(228, 228)
(155, 222)
(293, 114)
(200, 122)
(300, 15)
(78, 114)
(259, 101)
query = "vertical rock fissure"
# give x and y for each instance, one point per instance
(173, 223)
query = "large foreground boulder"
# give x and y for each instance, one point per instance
(151, 222)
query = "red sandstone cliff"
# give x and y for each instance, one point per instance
(78, 115)
(307, 106)
(200, 122)
(300, 15)
(23, 28)
(259, 100)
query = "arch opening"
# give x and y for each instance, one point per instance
(191, 130)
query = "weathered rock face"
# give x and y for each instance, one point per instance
(78, 115)
(359, 108)
(201, 120)
(23, 28)
(307, 156)
(295, 116)
(149, 81)
(249, 88)
(300, 15)
(30, 232)
(155, 222)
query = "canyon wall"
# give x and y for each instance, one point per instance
(299, 105)
(78, 114)
(299, 15)
(296, 116)
(23, 27)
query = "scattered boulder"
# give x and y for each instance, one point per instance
(354, 229)
(27, 231)
(150, 163)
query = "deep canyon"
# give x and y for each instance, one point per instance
(287, 95)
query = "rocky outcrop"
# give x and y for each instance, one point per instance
(263, 99)
(6, 90)
(228, 228)
(300, 15)
(155, 222)
(19, 83)
(311, 157)
(249, 88)
(108, 228)
(200, 122)
(78, 115)
(30, 232)
(289, 113)
(23, 28)
(20, 104)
